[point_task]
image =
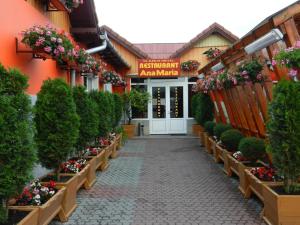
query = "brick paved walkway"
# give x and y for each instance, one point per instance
(164, 181)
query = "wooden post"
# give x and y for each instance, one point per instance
(291, 32)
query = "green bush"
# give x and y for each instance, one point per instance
(57, 123)
(220, 128)
(118, 109)
(231, 139)
(110, 110)
(102, 110)
(252, 148)
(209, 127)
(284, 132)
(202, 108)
(17, 155)
(86, 109)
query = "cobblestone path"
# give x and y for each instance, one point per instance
(164, 181)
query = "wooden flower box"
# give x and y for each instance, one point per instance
(119, 141)
(82, 177)
(280, 209)
(218, 153)
(31, 218)
(221, 155)
(233, 166)
(205, 139)
(210, 145)
(47, 211)
(114, 153)
(69, 203)
(255, 185)
(196, 128)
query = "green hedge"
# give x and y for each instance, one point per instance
(231, 139)
(220, 128)
(118, 109)
(209, 127)
(202, 108)
(252, 148)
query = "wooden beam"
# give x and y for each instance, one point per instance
(286, 14)
(84, 30)
(292, 32)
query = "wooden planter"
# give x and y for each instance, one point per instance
(32, 217)
(82, 177)
(69, 203)
(91, 175)
(202, 138)
(129, 130)
(197, 129)
(211, 144)
(119, 141)
(114, 153)
(218, 153)
(255, 185)
(280, 209)
(233, 166)
(47, 211)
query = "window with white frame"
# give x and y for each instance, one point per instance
(139, 84)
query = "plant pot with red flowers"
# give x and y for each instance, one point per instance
(45, 200)
(210, 142)
(282, 201)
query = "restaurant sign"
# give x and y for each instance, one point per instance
(151, 68)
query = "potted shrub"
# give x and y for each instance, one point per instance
(209, 132)
(252, 152)
(282, 201)
(202, 111)
(230, 139)
(57, 126)
(135, 99)
(218, 150)
(17, 156)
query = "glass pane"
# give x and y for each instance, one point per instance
(159, 102)
(137, 114)
(176, 102)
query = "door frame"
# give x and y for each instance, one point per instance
(167, 83)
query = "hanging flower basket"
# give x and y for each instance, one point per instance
(190, 66)
(113, 78)
(212, 53)
(72, 4)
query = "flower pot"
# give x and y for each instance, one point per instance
(49, 210)
(196, 128)
(210, 145)
(233, 166)
(119, 141)
(280, 209)
(218, 153)
(82, 177)
(255, 185)
(91, 175)
(69, 203)
(31, 218)
(129, 129)
(114, 153)
(105, 158)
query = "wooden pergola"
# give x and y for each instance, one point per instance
(245, 107)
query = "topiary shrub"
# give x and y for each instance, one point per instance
(102, 110)
(202, 108)
(17, 155)
(220, 128)
(231, 139)
(252, 148)
(86, 109)
(118, 109)
(57, 124)
(284, 132)
(209, 127)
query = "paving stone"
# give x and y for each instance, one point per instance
(164, 181)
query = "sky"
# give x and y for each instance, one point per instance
(177, 21)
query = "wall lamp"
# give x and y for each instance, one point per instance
(217, 67)
(270, 38)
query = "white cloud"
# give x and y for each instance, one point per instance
(145, 21)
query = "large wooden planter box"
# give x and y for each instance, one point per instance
(218, 153)
(233, 166)
(114, 152)
(221, 155)
(82, 177)
(196, 128)
(255, 185)
(119, 141)
(129, 130)
(32, 217)
(210, 145)
(280, 209)
(202, 138)
(205, 139)
(47, 211)
(69, 203)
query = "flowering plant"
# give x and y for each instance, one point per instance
(289, 57)
(190, 65)
(92, 151)
(73, 165)
(212, 53)
(113, 78)
(239, 156)
(104, 142)
(265, 173)
(249, 72)
(227, 80)
(36, 194)
(71, 4)
(87, 62)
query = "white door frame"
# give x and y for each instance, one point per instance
(167, 84)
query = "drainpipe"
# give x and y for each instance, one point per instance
(101, 47)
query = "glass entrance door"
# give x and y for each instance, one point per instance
(167, 109)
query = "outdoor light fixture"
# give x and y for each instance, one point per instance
(218, 67)
(201, 76)
(273, 36)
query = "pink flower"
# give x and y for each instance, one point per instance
(47, 49)
(259, 76)
(273, 62)
(59, 40)
(293, 72)
(56, 52)
(61, 49)
(297, 45)
(48, 33)
(53, 39)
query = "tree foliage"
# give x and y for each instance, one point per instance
(17, 155)
(57, 123)
(202, 108)
(284, 132)
(118, 109)
(86, 109)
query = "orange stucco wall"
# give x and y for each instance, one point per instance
(15, 17)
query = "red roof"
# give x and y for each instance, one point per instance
(159, 50)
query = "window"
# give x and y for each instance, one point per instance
(139, 85)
